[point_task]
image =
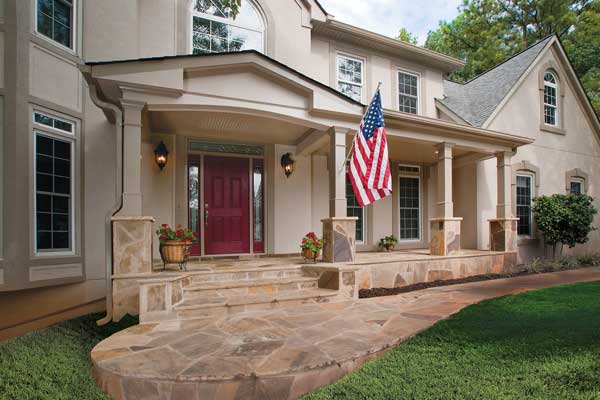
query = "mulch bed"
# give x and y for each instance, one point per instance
(379, 292)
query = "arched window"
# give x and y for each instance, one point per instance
(550, 99)
(214, 30)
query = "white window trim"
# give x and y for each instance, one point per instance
(194, 13)
(553, 85)
(416, 175)
(362, 62)
(531, 178)
(67, 137)
(73, 48)
(418, 97)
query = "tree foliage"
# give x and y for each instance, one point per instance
(486, 32)
(233, 5)
(405, 35)
(564, 219)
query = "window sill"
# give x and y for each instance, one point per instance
(552, 129)
(54, 47)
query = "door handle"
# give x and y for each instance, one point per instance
(206, 215)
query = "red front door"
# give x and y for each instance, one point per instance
(226, 205)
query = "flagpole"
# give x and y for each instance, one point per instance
(352, 147)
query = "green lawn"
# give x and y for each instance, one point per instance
(536, 345)
(54, 363)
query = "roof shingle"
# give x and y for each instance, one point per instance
(477, 99)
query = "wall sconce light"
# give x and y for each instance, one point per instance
(287, 163)
(161, 155)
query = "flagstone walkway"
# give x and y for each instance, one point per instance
(284, 353)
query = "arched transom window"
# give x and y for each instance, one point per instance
(550, 99)
(214, 30)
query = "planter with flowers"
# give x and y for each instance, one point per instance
(388, 243)
(175, 244)
(311, 247)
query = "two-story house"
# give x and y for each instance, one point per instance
(90, 89)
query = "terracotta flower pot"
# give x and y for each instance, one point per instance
(175, 251)
(308, 254)
(390, 247)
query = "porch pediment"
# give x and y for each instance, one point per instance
(245, 79)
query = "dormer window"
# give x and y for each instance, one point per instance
(550, 99)
(214, 30)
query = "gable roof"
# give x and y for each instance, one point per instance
(476, 100)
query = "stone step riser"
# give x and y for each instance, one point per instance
(273, 288)
(246, 276)
(222, 311)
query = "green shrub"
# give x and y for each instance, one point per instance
(564, 219)
(589, 259)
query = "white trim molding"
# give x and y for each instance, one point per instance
(50, 272)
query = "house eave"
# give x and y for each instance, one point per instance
(456, 129)
(334, 28)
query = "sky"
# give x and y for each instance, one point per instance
(388, 16)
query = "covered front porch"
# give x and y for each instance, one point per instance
(229, 120)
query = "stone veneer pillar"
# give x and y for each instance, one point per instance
(339, 244)
(445, 228)
(503, 229)
(132, 258)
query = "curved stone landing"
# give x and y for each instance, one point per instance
(284, 353)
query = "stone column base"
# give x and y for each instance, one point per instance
(132, 245)
(503, 234)
(445, 236)
(339, 244)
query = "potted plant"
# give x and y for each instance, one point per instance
(175, 244)
(388, 243)
(311, 247)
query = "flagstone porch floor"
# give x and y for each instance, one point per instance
(283, 353)
(242, 263)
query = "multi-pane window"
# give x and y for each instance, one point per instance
(55, 20)
(53, 194)
(524, 199)
(214, 30)
(410, 201)
(408, 92)
(550, 100)
(353, 209)
(576, 187)
(350, 76)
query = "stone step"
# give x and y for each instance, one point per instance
(198, 307)
(248, 274)
(253, 286)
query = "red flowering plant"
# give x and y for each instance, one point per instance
(311, 242)
(166, 233)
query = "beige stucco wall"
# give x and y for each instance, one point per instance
(291, 202)
(378, 67)
(554, 154)
(158, 187)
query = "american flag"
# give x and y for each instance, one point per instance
(369, 169)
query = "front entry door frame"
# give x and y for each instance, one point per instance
(198, 158)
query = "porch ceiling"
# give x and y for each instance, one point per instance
(226, 126)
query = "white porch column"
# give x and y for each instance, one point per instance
(503, 229)
(338, 230)
(337, 172)
(445, 228)
(131, 231)
(132, 158)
